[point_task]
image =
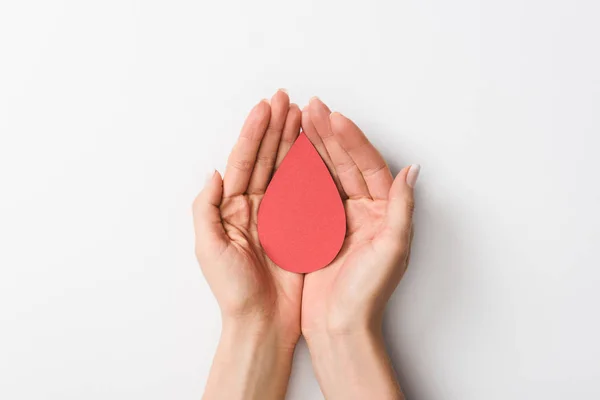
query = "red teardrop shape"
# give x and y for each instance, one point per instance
(301, 219)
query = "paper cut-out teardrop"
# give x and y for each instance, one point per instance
(301, 219)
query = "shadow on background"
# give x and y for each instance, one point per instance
(426, 294)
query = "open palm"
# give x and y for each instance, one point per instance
(244, 280)
(354, 288)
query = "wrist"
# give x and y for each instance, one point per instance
(252, 331)
(253, 361)
(340, 326)
(340, 339)
(353, 364)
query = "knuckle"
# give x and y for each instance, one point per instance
(275, 129)
(345, 167)
(288, 139)
(243, 165)
(374, 170)
(266, 161)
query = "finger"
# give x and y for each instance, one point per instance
(207, 216)
(243, 156)
(401, 205)
(291, 130)
(371, 164)
(311, 133)
(267, 154)
(349, 175)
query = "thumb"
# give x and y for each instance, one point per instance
(401, 204)
(207, 215)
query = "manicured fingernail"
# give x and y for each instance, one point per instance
(413, 175)
(209, 176)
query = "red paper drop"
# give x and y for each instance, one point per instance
(301, 219)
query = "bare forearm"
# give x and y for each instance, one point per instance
(353, 366)
(251, 362)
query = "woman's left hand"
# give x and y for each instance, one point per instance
(260, 303)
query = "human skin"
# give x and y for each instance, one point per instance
(343, 304)
(339, 308)
(260, 302)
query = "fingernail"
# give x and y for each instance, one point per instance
(314, 98)
(209, 176)
(283, 90)
(336, 112)
(413, 175)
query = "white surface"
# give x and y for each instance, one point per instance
(111, 113)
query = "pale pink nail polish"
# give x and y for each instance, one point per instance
(413, 175)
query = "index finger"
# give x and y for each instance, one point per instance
(311, 133)
(369, 161)
(243, 156)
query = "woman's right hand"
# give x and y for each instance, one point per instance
(342, 304)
